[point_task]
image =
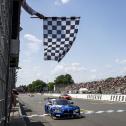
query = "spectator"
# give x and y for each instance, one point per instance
(13, 97)
(107, 86)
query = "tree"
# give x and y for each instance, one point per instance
(36, 86)
(64, 79)
(51, 86)
(68, 79)
(30, 88)
(109, 79)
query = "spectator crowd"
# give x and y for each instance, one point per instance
(108, 86)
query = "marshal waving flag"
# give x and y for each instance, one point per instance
(59, 35)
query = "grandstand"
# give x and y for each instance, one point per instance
(110, 85)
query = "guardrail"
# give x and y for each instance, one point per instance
(102, 97)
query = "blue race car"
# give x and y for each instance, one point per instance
(58, 108)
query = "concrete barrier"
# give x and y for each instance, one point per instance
(94, 96)
(100, 97)
(118, 98)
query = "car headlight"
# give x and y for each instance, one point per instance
(77, 110)
(58, 110)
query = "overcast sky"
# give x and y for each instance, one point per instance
(98, 52)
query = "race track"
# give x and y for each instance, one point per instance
(97, 113)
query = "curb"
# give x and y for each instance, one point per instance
(21, 115)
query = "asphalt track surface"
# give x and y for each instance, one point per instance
(97, 113)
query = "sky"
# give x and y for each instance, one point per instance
(97, 53)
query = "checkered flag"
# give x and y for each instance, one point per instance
(59, 35)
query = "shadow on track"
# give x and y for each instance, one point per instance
(28, 122)
(35, 124)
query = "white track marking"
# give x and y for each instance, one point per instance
(99, 112)
(89, 112)
(86, 112)
(120, 110)
(35, 115)
(110, 111)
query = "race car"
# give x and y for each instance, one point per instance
(65, 96)
(61, 108)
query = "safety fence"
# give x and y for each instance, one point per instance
(100, 97)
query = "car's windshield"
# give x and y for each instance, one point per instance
(61, 102)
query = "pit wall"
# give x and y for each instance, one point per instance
(100, 97)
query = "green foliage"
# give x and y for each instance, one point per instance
(39, 85)
(36, 86)
(109, 79)
(64, 79)
(30, 88)
(51, 86)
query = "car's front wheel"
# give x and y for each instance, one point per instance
(53, 117)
